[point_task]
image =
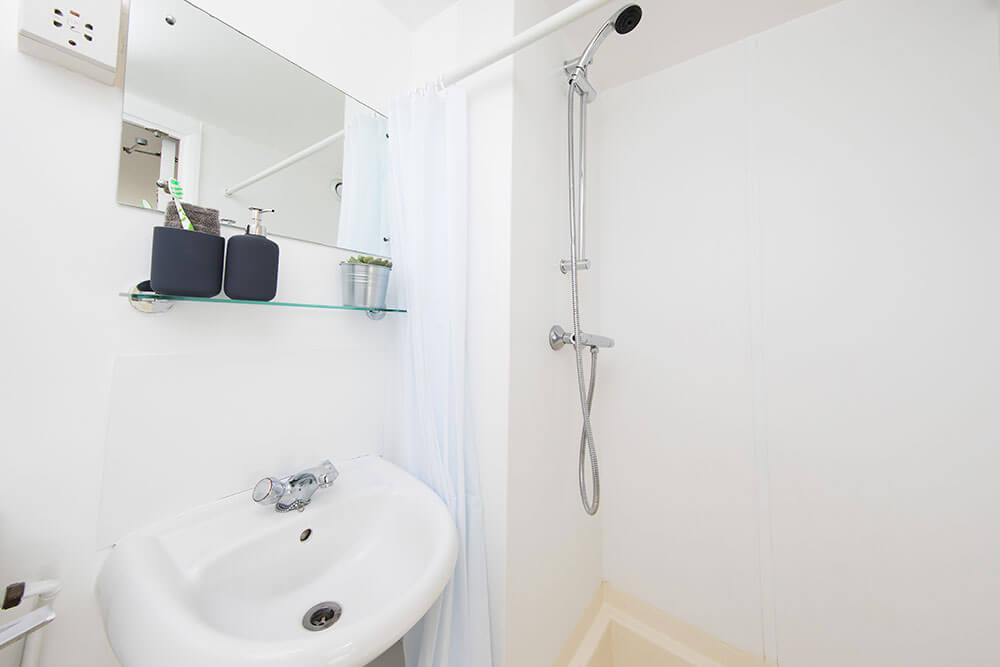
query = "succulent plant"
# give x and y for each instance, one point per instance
(377, 261)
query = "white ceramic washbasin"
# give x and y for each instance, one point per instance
(227, 584)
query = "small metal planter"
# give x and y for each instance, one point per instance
(364, 285)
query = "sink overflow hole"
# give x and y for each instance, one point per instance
(305, 534)
(322, 616)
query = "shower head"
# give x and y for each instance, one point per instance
(627, 19)
(623, 22)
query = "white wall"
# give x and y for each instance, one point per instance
(881, 372)
(674, 415)
(69, 249)
(797, 238)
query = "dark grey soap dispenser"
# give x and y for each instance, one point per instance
(252, 262)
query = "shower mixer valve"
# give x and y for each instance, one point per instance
(558, 337)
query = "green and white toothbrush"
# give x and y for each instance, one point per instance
(174, 189)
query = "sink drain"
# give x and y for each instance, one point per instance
(322, 616)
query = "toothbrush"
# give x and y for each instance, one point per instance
(174, 189)
(176, 192)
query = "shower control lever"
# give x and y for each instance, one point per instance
(558, 337)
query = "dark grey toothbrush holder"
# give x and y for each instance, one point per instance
(186, 262)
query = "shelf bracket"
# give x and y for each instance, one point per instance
(376, 314)
(148, 305)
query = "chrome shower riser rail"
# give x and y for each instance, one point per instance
(591, 505)
(622, 22)
(578, 173)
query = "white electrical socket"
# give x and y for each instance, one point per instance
(81, 35)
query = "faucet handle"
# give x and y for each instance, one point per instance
(326, 474)
(268, 490)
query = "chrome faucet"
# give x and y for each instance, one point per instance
(295, 492)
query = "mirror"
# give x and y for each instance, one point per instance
(209, 106)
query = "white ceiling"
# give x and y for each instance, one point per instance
(414, 12)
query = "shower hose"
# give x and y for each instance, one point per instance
(590, 505)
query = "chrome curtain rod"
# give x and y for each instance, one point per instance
(522, 39)
(284, 164)
(519, 41)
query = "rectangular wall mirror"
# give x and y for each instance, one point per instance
(211, 107)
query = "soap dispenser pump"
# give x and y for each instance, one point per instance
(252, 262)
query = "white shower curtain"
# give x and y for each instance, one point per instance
(428, 147)
(363, 215)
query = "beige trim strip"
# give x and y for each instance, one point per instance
(582, 628)
(612, 607)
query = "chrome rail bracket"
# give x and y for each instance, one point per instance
(148, 303)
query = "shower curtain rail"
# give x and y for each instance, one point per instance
(284, 164)
(519, 41)
(526, 38)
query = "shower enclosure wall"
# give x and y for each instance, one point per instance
(804, 455)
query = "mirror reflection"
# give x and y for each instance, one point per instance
(240, 126)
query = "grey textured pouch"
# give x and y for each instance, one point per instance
(205, 220)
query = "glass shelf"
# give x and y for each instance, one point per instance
(148, 302)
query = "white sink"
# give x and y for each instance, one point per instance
(228, 584)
